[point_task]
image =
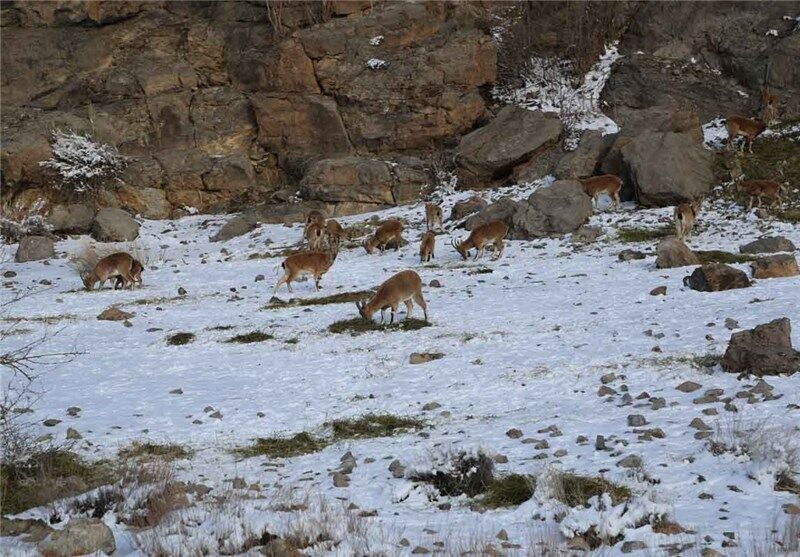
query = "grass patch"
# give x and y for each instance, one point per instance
(373, 425)
(247, 338)
(282, 447)
(179, 339)
(360, 325)
(632, 235)
(46, 476)
(343, 298)
(509, 491)
(159, 300)
(293, 340)
(717, 256)
(789, 215)
(148, 450)
(576, 491)
(47, 319)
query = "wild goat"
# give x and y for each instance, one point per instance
(685, 215)
(315, 217)
(314, 234)
(761, 188)
(769, 105)
(334, 233)
(314, 263)
(594, 186)
(433, 215)
(403, 288)
(115, 265)
(426, 246)
(746, 127)
(480, 237)
(385, 233)
(136, 274)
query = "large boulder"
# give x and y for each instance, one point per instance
(513, 137)
(73, 218)
(715, 277)
(236, 226)
(557, 209)
(673, 252)
(364, 180)
(771, 244)
(151, 203)
(467, 207)
(774, 266)
(114, 225)
(763, 350)
(34, 248)
(582, 161)
(80, 536)
(667, 168)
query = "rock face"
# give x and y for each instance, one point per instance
(73, 218)
(714, 277)
(764, 350)
(773, 266)
(80, 536)
(557, 209)
(667, 168)
(217, 108)
(236, 226)
(467, 207)
(582, 161)
(34, 248)
(114, 225)
(772, 244)
(513, 137)
(672, 252)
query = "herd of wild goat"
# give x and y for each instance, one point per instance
(322, 238)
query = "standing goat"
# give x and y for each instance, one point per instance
(385, 233)
(334, 233)
(314, 234)
(594, 186)
(761, 188)
(685, 215)
(433, 215)
(314, 263)
(403, 288)
(748, 128)
(489, 233)
(426, 246)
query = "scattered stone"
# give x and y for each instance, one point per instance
(706, 399)
(114, 225)
(467, 207)
(34, 248)
(397, 469)
(630, 461)
(715, 277)
(424, 357)
(600, 443)
(431, 406)
(659, 291)
(775, 266)
(238, 483)
(51, 422)
(630, 255)
(710, 411)
(763, 350)
(181, 291)
(688, 387)
(514, 433)
(114, 314)
(73, 411)
(559, 453)
(9, 274)
(631, 546)
(731, 324)
(636, 420)
(435, 284)
(708, 552)
(608, 378)
(699, 424)
(73, 434)
(404, 542)
(586, 234)
(79, 537)
(790, 508)
(278, 547)
(259, 278)
(340, 480)
(419, 550)
(672, 252)
(773, 244)
(500, 459)
(217, 415)
(581, 439)
(176, 392)
(605, 390)
(658, 403)
(502, 535)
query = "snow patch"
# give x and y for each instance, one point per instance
(377, 64)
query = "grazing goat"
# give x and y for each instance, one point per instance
(403, 288)
(385, 233)
(489, 233)
(120, 265)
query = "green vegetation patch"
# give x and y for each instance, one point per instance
(717, 256)
(509, 491)
(247, 338)
(283, 447)
(46, 476)
(146, 450)
(632, 235)
(342, 298)
(179, 339)
(360, 325)
(373, 425)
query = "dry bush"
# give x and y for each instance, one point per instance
(90, 252)
(14, 224)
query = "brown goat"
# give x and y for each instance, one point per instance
(314, 263)
(112, 266)
(433, 216)
(761, 188)
(594, 186)
(403, 288)
(426, 246)
(489, 233)
(685, 216)
(748, 128)
(385, 233)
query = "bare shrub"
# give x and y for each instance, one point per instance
(15, 224)
(83, 164)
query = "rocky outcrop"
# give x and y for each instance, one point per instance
(673, 252)
(763, 350)
(774, 266)
(34, 248)
(557, 209)
(79, 537)
(770, 244)
(513, 137)
(114, 225)
(467, 207)
(715, 277)
(73, 218)
(582, 161)
(217, 108)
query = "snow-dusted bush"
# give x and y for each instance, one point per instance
(14, 226)
(82, 163)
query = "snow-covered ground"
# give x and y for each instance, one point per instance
(525, 340)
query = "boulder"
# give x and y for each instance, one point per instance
(364, 180)
(79, 537)
(715, 277)
(35, 248)
(236, 226)
(771, 244)
(74, 218)
(114, 225)
(114, 314)
(467, 207)
(774, 266)
(151, 203)
(503, 209)
(582, 161)
(763, 350)
(586, 234)
(673, 252)
(667, 168)
(513, 137)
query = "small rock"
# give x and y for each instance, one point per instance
(608, 378)
(424, 357)
(51, 422)
(73, 411)
(404, 542)
(502, 535)
(716, 277)
(605, 390)
(631, 546)
(435, 284)
(629, 255)
(431, 406)
(559, 453)
(35, 248)
(217, 415)
(791, 508)
(514, 433)
(708, 552)
(239, 483)
(688, 387)
(114, 314)
(397, 469)
(181, 291)
(501, 459)
(9, 274)
(659, 291)
(773, 244)
(259, 278)
(600, 443)
(340, 480)
(775, 266)
(176, 392)
(710, 411)
(658, 403)
(419, 550)
(731, 324)
(79, 537)
(630, 461)
(699, 424)
(73, 434)
(636, 420)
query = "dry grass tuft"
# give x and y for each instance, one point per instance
(145, 450)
